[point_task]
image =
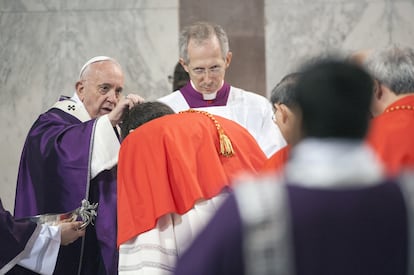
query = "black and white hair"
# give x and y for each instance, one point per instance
(200, 32)
(393, 67)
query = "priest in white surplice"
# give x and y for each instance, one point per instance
(205, 55)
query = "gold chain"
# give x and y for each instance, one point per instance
(402, 107)
(226, 148)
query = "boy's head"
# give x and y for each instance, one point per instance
(143, 113)
(334, 98)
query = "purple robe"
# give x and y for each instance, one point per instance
(195, 99)
(53, 177)
(14, 236)
(357, 231)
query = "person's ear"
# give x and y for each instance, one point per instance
(185, 66)
(378, 90)
(379, 99)
(282, 109)
(281, 113)
(228, 59)
(80, 89)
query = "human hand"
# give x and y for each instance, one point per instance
(70, 232)
(124, 104)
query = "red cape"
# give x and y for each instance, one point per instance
(278, 160)
(166, 165)
(391, 135)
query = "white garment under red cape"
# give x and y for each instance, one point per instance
(172, 165)
(251, 110)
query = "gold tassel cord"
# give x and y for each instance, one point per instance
(226, 147)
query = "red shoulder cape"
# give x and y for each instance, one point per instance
(169, 163)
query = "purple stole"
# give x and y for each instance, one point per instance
(195, 99)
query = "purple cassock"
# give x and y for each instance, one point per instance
(195, 99)
(14, 236)
(358, 231)
(54, 177)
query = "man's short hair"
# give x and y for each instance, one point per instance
(284, 91)
(393, 67)
(142, 113)
(200, 32)
(334, 98)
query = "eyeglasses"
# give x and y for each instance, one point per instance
(213, 71)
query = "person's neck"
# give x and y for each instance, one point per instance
(208, 96)
(390, 98)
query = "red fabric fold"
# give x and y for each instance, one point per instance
(278, 160)
(391, 137)
(166, 165)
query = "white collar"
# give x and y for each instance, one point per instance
(78, 101)
(333, 163)
(76, 98)
(209, 96)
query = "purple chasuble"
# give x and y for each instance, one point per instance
(14, 236)
(53, 176)
(355, 231)
(195, 99)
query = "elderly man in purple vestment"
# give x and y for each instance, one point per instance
(70, 154)
(331, 211)
(26, 245)
(205, 55)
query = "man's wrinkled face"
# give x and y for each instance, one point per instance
(100, 87)
(206, 65)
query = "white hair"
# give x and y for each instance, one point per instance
(393, 67)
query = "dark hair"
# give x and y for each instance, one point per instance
(284, 91)
(142, 113)
(180, 77)
(335, 99)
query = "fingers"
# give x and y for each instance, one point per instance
(77, 225)
(125, 103)
(70, 232)
(134, 99)
(78, 230)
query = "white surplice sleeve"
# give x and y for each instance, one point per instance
(42, 255)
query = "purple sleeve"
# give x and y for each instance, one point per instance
(14, 236)
(53, 176)
(218, 248)
(54, 165)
